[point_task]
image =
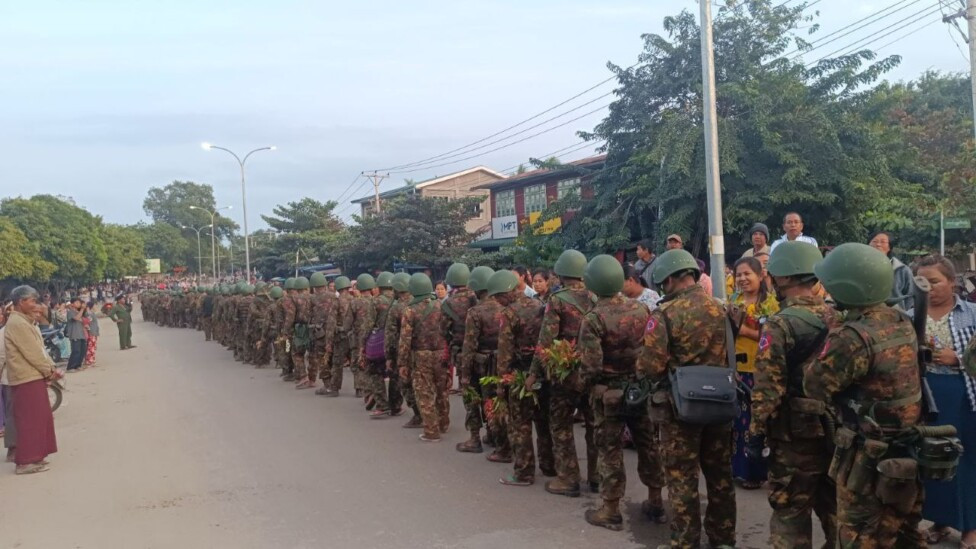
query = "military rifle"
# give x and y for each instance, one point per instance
(921, 288)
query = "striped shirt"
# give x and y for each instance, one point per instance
(962, 328)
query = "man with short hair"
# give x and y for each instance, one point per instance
(674, 242)
(645, 258)
(793, 230)
(121, 314)
(524, 280)
(759, 237)
(75, 332)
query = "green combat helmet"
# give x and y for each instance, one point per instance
(794, 258)
(604, 276)
(290, 283)
(365, 282)
(420, 285)
(674, 261)
(856, 275)
(385, 279)
(458, 275)
(571, 264)
(277, 292)
(259, 287)
(317, 280)
(401, 282)
(342, 283)
(478, 280)
(301, 283)
(201, 289)
(502, 282)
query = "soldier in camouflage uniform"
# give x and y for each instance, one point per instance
(799, 451)
(206, 314)
(689, 328)
(420, 353)
(478, 357)
(343, 335)
(285, 321)
(563, 314)
(376, 369)
(518, 333)
(868, 366)
(391, 342)
(259, 316)
(361, 309)
(272, 334)
(296, 322)
(455, 309)
(322, 330)
(242, 351)
(609, 343)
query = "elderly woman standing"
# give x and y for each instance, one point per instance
(29, 368)
(950, 327)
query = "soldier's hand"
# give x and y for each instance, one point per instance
(404, 373)
(530, 381)
(755, 447)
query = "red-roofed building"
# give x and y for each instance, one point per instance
(520, 199)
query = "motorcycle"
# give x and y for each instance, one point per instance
(57, 346)
(55, 392)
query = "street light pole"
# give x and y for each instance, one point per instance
(713, 185)
(241, 162)
(199, 252)
(213, 236)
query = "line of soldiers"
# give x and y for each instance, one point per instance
(853, 468)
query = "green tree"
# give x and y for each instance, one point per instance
(308, 228)
(791, 137)
(66, 236)
(21, 257)
(166, 243)
(412, 229)
(171, 205)
(125, 248)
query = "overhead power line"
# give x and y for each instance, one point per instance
(867, 21)
(879, 35)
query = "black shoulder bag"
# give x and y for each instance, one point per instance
(707, 395)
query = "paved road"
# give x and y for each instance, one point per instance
(173, 444)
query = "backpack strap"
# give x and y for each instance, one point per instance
(449, 311)
(804, 315)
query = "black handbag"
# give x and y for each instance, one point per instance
(707, 395)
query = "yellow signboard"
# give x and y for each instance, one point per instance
(548, 227)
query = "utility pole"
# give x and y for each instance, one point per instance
(376, 179)
(969, 13)
(713, 185)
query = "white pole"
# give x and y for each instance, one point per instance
(942, 231)
(713, 185)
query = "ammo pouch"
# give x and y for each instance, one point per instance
(844, 450)
(661, 410)
(806, 418)
(938, 451)
(864, 471)
(636, 396)
(898, 483)
(612, 399)
(300, 338)
(707, 395)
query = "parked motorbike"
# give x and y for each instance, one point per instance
(55, 344)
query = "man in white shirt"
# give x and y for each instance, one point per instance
(634, 289)
(793, 230)
(524, 280)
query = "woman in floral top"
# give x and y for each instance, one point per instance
(749, 307)
(950, 327)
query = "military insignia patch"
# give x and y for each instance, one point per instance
(764, 342)
(826, 347)
(651, 324)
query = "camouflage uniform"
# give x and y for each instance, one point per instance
(799, 449)
(322, 330)
(289, 312)
(206, 315)
(563, 315)
(688, 328)
(455, 309)
(871, 360)
(243, 351)
(361, 309)
(400, 389)
(421, 352)
(343, 338)
(298, 319)
(376, 370)
(517, 336)
(258, 319)
(478, 360)
(609, 343)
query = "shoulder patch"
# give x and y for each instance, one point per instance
(825, 350)
(764, 342)
(651, 324)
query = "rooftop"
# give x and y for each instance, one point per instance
(412, 187)
(568, 168)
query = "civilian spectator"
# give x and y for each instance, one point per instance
(793, 230)
(645, 258)
(525, 280)
(92, 334)
(30, 368)
(440, 290)
(759, 236)
(674, 242)
(704, 280)
(634, 289)
(749, 307)
(950, 327)
(903, 290)
(75, 332)
(540, 283)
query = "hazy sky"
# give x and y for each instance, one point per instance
(102, 100)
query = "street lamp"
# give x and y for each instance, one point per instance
(199, 253)
(213, 238)
(247, 248)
